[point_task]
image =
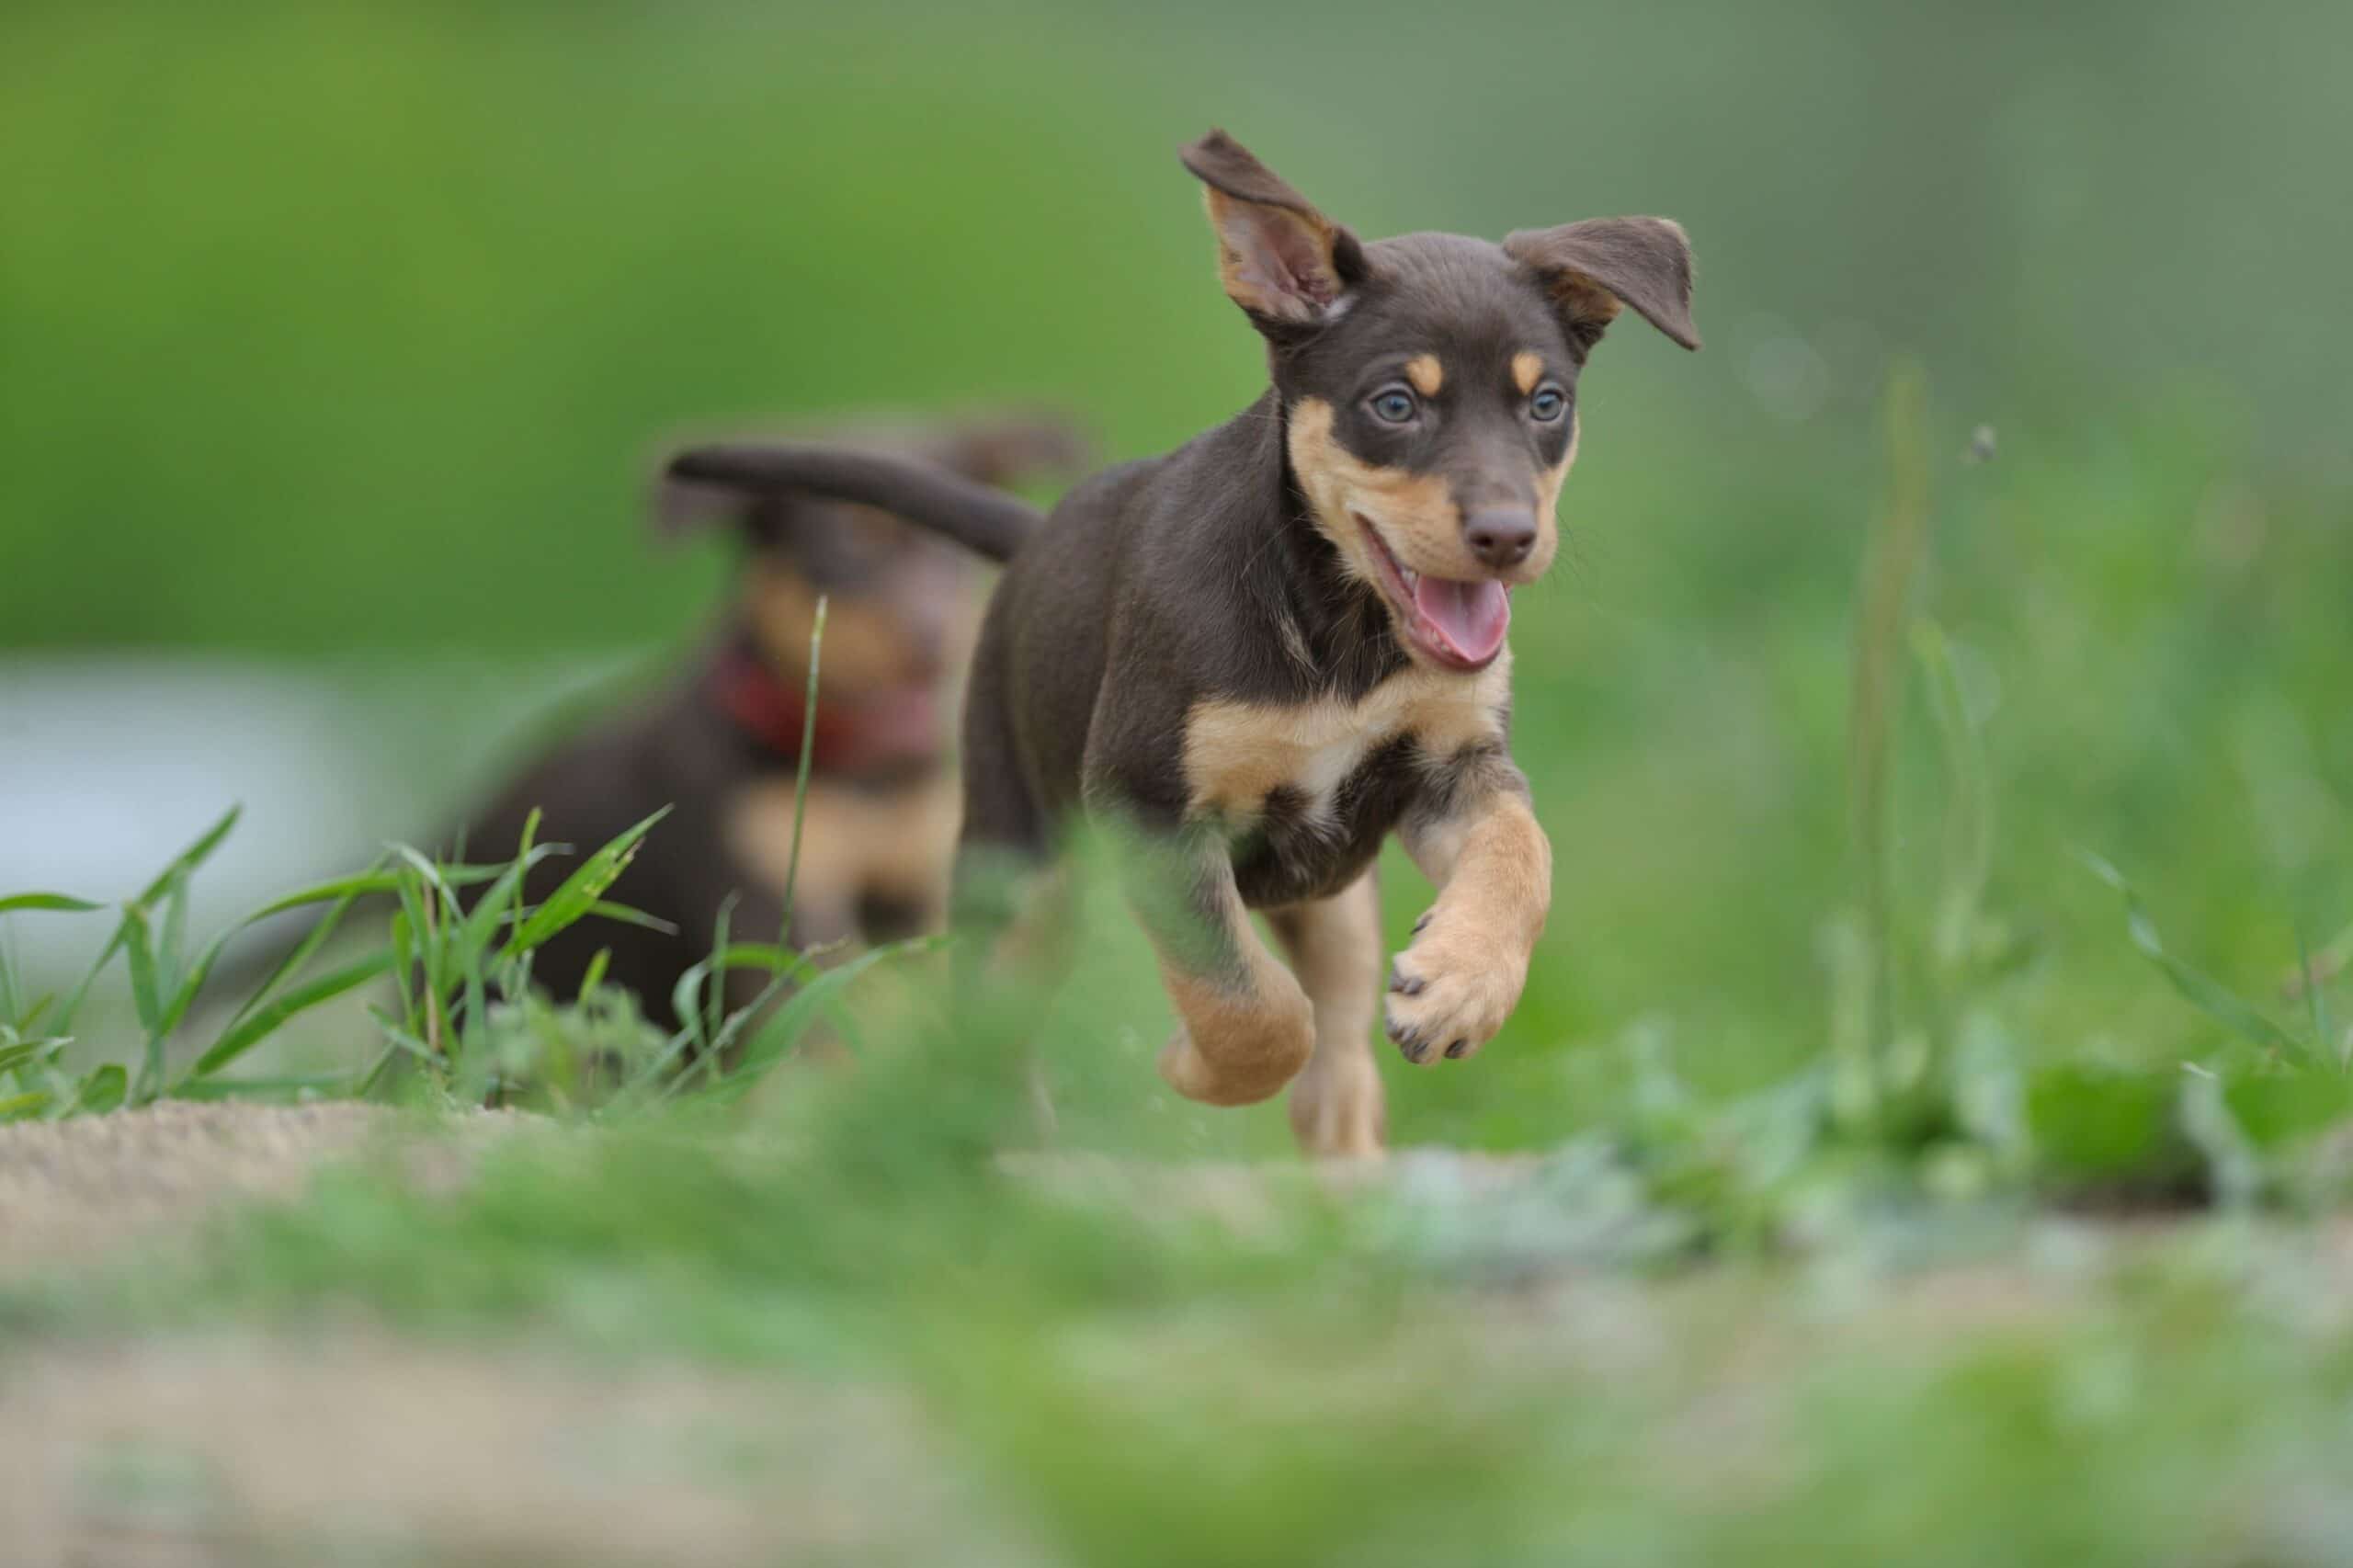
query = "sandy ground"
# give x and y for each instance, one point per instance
(347, 1447)
(71, 1190)
(342, 1443)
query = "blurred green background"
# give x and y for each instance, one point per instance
(337, 336)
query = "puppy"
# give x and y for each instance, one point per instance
(1270, 649)
(720, 744)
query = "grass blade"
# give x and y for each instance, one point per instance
(808, 750)
(2324, 1042)
(783, 1031)
(102, 1090)
(28, 1053)
(244, 1035)
(189, 858)
(581, 891)
(57, 901)
(2204, 992)
(605, 909)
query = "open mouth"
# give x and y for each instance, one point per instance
(1459, 625)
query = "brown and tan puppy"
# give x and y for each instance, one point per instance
(1273, 647)
(720, 744)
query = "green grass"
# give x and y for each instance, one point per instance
(1617, 1355)
(1952, 852)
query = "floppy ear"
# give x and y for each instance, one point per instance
(1595, 267)
(1284, 263)
(1008, 448)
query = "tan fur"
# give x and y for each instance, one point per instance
(1237, 1042)
(1416, 517)
(1586, 300)
(865, 641)
(1337, 1105)
(1427, 374)
(1244, 287)
(853, 843)
(1527, 368)
(1493, 868)
(1548, 487)
(1236, 752)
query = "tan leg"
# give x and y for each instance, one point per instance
(1244, 1027)
(1452, 988)
(1337, 1109)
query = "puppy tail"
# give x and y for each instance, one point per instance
(988, 522)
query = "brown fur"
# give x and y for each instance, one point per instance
(1300, 237)
(1269, 649)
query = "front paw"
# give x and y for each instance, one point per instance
(1450, 991)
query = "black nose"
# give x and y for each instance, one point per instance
(1501, 536)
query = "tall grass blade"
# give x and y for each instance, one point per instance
(808, 752)
(1898, 536)
(258, 1025)
(2204, 992)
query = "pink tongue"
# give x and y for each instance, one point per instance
(1470, 616)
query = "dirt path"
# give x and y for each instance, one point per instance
(345, 1446)
(73, 1190)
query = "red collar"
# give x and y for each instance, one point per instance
(893, 729)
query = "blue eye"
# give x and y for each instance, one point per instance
(1547, 405)
(1394, 405)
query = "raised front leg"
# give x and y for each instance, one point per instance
(1453, 987)
(1335, 949)
(1244, 1028)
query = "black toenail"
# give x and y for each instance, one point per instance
(1403, 983)
(1459, 1048)
(1428, 914)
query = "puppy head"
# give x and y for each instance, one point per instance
(1428, 385)
(902, 604)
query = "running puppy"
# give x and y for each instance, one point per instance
(1271, 648)
(720, 744)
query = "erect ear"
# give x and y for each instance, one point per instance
(1283, 261)
(1593, 268)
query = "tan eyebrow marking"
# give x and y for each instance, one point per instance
(1526, 367)
(1427, 374)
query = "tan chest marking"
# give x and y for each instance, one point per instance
(1235, 752)
(852, 842)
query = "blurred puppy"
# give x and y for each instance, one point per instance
(720, 744)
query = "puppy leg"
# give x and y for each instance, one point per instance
(1334, 947)
(1453, 987)
(1244, 1027)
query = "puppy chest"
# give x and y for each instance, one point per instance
(1315, 763)
(851, 841)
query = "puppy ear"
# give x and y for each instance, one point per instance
(1283, 261)
(1593, 268)
(1008, 448)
